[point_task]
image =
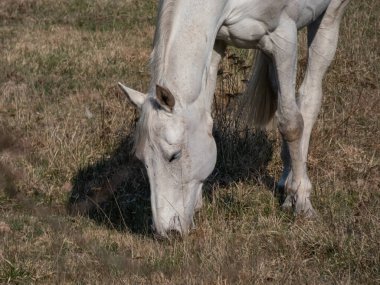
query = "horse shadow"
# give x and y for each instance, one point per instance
(115, 190)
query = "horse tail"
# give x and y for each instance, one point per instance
(260, 98)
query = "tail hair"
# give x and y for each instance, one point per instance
(259, 102)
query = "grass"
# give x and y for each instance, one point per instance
(65, 148)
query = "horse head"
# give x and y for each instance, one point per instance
(178, 150)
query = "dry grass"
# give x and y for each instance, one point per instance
(65, 139)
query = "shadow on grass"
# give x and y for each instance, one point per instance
(8, 176)
(115, 190)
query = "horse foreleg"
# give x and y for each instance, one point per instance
(322, 42)
(281, 45)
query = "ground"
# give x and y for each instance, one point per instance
(74, 203)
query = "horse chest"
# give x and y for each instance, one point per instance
(244, 34)
(249, 21)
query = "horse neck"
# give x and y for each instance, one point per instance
(183, 44)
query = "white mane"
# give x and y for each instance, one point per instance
(164, 23)
(161, 37)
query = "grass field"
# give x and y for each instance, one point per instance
(65, 148)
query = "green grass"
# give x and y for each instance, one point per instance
(65, 147)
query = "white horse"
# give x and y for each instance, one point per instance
(174, 133)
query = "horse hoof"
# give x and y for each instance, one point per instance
(305, 210)
(287, 205)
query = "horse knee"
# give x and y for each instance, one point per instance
(291, 129)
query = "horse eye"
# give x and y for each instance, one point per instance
(175, 156)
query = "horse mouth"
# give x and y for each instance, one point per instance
(177, 228)
(170, 235)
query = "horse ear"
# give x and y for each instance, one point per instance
(137, 98)
(165, 98)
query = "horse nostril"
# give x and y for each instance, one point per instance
(170, 235)
(174, 234)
